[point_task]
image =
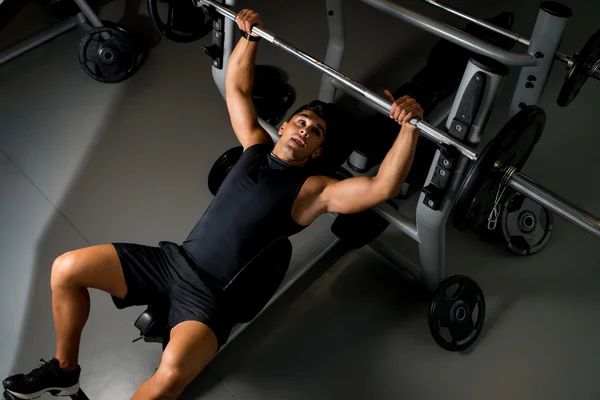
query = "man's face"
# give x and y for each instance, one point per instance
(302, 136)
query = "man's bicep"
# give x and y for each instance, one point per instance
(352, 195)
(244, 119)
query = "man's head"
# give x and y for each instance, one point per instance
(303, 134)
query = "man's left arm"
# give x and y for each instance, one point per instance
(357, 194)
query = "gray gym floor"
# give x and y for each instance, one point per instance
(84, 163)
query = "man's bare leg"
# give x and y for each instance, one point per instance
(72, 274)
(190, 349)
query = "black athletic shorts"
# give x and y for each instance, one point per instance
(162, 275)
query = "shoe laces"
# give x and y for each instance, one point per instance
(43, 369)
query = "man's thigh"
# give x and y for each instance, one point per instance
(148, 274)
(191, 347)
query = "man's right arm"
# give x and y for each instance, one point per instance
(239, 82)
(356, 194)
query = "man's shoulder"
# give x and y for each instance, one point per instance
(315, 184)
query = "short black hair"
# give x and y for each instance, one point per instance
(325, 111)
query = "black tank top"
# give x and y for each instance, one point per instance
(252, 209)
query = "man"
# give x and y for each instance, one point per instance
(266, 196)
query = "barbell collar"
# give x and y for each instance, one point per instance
(567, 59)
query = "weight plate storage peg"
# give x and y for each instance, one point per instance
(511, 147)
(457, 313)
(221, 168)
(108, 54)
(526, 226)
(584, 65)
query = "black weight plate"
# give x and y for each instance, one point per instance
(583, 67)
(512, 146)
(185, 23)
(221, 168)
(272, 99)
(268, 73)
(526, 226)
(140, 46)
(62, 9)
(458, 305)
(107, 54)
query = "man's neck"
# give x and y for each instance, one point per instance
(283, 158)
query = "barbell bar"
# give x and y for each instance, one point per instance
(528, 187)
(383, 104)
(517, 181)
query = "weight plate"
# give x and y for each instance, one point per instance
(268, 73)
(272, 99)
(457, 313)
(583, 67)
(62, 9)
(526, 226)
(140, 46)
(221, 168)
(108, 54)
(185, 23)
(512, 146)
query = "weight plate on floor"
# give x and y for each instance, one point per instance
(584, 65)
(221, 168)
(457, 313)
(512, 146)
(183, 22)
(108, 54)
(526, 226)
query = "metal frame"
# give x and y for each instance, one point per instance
(546, 37)
(428, 228)
(86, 19)
(336, 46)
(537, 63)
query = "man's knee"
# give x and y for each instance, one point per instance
(169, 382)
(95, 267)
(64, 271)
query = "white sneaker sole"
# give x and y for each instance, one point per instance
(54, 391)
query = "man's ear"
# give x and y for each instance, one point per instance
(317, 152)
(282, 128)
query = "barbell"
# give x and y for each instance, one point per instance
(496, 167)
(184, 25)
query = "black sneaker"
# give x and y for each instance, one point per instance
(48, 377)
